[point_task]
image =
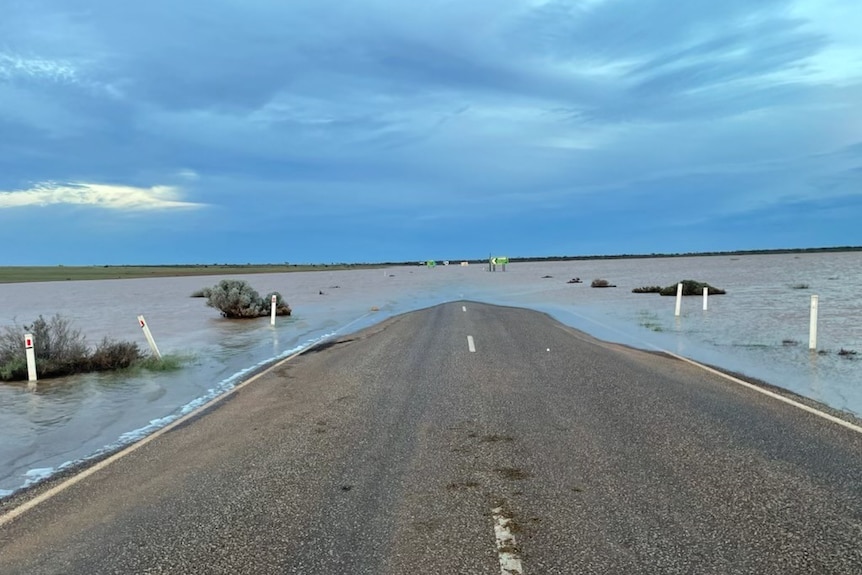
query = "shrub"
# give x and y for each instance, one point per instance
(691, 287)
(60, 350)
(114, 355)
(599, 283)
(57, 341)
(203, 292)
(236, 299)
(647, 289)
(12, 370)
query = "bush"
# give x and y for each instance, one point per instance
(203, 292)
(236, 299)
(648, 289)
(60, 350)
(13, 370)
(691, 287)
(601, 284)
(115, 355)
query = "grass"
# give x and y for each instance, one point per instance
(650, 321)
(18, 274)
(169, 362)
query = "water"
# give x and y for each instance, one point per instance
(759, 328)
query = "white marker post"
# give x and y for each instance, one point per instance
(678, 299)
(31, 356)
(272, 312)
(153, 347)
(812, 330)
(705, 298)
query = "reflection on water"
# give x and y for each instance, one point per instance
(759, 328)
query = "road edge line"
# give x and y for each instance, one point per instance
(16, 512)
(772, 394)
(757, 388)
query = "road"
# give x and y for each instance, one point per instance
(398, 449)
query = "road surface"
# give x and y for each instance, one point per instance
(467, 438)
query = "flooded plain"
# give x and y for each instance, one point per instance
(759, 328)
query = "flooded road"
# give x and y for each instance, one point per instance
(760, 328)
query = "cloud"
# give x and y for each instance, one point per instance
(377, 111)
(107, 196)
(12, 66)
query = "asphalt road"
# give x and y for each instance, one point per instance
(386, 452)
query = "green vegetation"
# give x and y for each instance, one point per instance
(62, 350)
(17, 274)
(837, 249)
(650, 321)
(13, 274)
(600, 283)
(648, 289)
(236, 299)
(170, 362)
(692, 287)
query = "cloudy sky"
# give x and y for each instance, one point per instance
(390, 130)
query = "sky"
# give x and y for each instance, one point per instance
(321, 131)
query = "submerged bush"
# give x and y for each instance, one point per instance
(647, 289)
(691, 287)
(236, 299)
(203, 292)
(600, 283)
(60, 350)
(114, 355)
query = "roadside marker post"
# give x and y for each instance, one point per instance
(678, 299)
(153, 347)
(812, 329)
(705, 298)
(31, 357)
(272, 312)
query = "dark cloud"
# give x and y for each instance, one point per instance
(375, 111)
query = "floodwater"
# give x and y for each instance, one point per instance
(760, 328)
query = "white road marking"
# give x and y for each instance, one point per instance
(471, 345)
(771, 394)
(463, 308)
(42, 497)
(736, 380)
(510, 561)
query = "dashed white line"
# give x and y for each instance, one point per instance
(510, 561)
(471, 345)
